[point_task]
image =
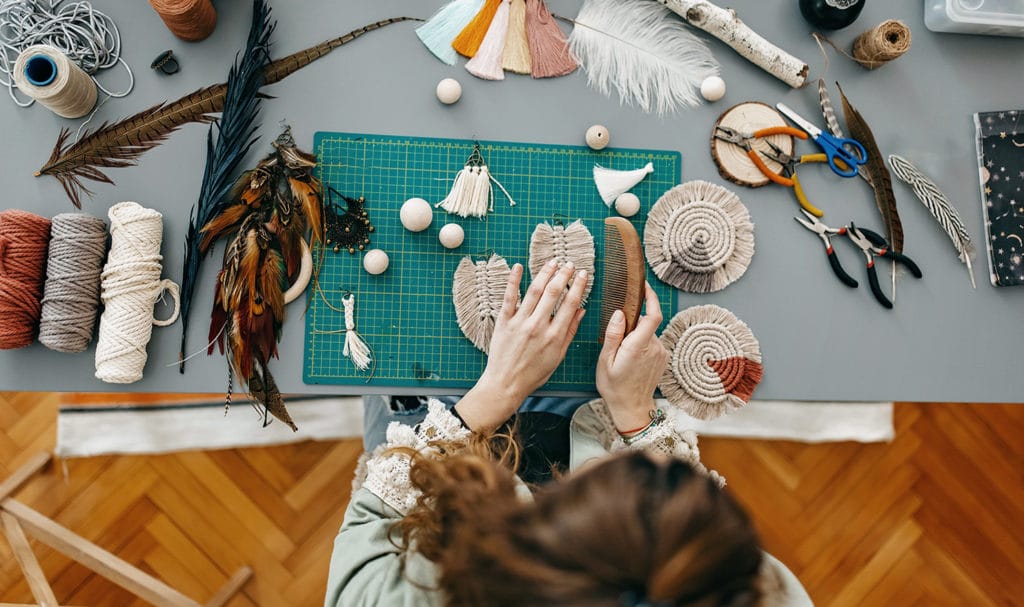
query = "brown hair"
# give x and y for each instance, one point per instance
(630, 526)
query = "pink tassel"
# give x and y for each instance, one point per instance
(486, 63)
(548, 46)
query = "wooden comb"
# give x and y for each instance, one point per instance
(624, 274)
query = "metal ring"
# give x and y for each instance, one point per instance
(166, 63)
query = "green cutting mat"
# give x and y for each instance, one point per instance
(406, 315)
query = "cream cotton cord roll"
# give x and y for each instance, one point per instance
(47, 75)
(71, 295)
(131, 286)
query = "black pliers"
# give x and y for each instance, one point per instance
(874, 245)
(823, 232)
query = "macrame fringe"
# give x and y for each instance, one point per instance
(486, 63)
(516, 58)
(472, 36)
(572, 243)
(355, 348)
(478, 290)
(471, 194)
(612, 183)
(441, 29)
(549, 48)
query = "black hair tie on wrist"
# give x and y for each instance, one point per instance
(166, 63)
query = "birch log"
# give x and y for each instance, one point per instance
(725, 25)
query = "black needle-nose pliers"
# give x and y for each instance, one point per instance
(874, 245)
(824, 232)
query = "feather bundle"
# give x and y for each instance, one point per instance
(122, 143)
(939, 206)
(270, 209)
(881, 180)
(235, 136)
(634, 47)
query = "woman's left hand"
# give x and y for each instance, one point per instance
(528, 344)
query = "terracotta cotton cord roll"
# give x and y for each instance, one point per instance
(190, 20)
(71, 296)
(880, 45)
(23, 240)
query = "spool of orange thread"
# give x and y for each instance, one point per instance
(190, 20)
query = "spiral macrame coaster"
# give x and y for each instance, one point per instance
(715, 362)
(699, 237)
(732, 160)
(478, 290)
(572, 243)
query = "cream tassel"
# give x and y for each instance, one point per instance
(517, 47)
(355, 348)
(612, 183)
(471, 194)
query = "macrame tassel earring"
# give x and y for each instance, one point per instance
(612, 183)
(440, 30)
(472, 36)
(471, 194)
(355, 348)
(486, 64)
(549, 48)
(572, 243)
(516, 58)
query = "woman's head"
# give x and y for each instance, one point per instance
(631, 526)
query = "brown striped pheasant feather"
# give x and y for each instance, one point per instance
(122, 143)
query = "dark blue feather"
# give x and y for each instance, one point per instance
(236, 134)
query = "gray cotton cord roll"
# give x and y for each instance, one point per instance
(71, 295)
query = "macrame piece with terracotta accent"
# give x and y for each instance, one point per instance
(732, 160)
(478, 291)
(699, 237)
(562, 243)
(715, 362)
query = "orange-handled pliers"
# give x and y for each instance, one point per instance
(743, 140)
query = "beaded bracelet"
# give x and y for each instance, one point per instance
(657, 417)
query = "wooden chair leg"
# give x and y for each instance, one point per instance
(230, 588)
(16, 480)
(37, 583)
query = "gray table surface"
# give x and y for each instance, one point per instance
(820, 340)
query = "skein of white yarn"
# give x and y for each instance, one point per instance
(47, 75)
(131, 287)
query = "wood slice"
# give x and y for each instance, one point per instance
(732, 160)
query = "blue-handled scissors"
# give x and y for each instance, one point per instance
(833, 147)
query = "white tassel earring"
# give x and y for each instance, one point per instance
(612, 183)
(471, 194)
(355, 348)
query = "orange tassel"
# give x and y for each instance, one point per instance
(549, 48)
(467, 43)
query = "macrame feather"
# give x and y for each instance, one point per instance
(572, 243)
(478, 290)
(636, 48)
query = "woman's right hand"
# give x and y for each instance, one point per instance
(630, 366)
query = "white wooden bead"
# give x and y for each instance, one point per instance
(416, 214)
(597, 137)
(627, 204)
(375, 261)
(451, 235)
(713, 88)
(449, 91)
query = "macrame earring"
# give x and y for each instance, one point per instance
(355, 348)
(478, 291)
(561, 243)
(346, 228)
(471, 194)
(714, 362)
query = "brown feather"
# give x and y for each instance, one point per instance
(309, 198)
(249, 271)
(272, 284)
(881, 179)
(221, 224)
(263, 390)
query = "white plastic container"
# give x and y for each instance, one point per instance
(988, 17)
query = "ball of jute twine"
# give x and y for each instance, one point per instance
(23, 240)
(882, 44)
(714, 363)
(71, 94)
(699, 237)
(71, 295)
(131, 286)
(190, 20)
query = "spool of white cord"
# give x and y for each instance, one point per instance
(131, 286)
(47, 75)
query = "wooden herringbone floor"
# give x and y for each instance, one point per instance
(934, 518)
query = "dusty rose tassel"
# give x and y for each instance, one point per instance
(517, 48)
(548, 47)
(469, 39)
(486, 63)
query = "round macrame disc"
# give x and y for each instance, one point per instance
(715, 362)
(698, 237)
(732, 160)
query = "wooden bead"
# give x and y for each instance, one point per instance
(449, 91)
(375, 261)
(627, 204)
(416, 215)
(451, 236)
(597, 137)
(713, 88)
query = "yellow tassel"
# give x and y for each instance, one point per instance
(468, 41)
(517, 47)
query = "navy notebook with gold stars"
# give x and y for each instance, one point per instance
(1001, 160)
